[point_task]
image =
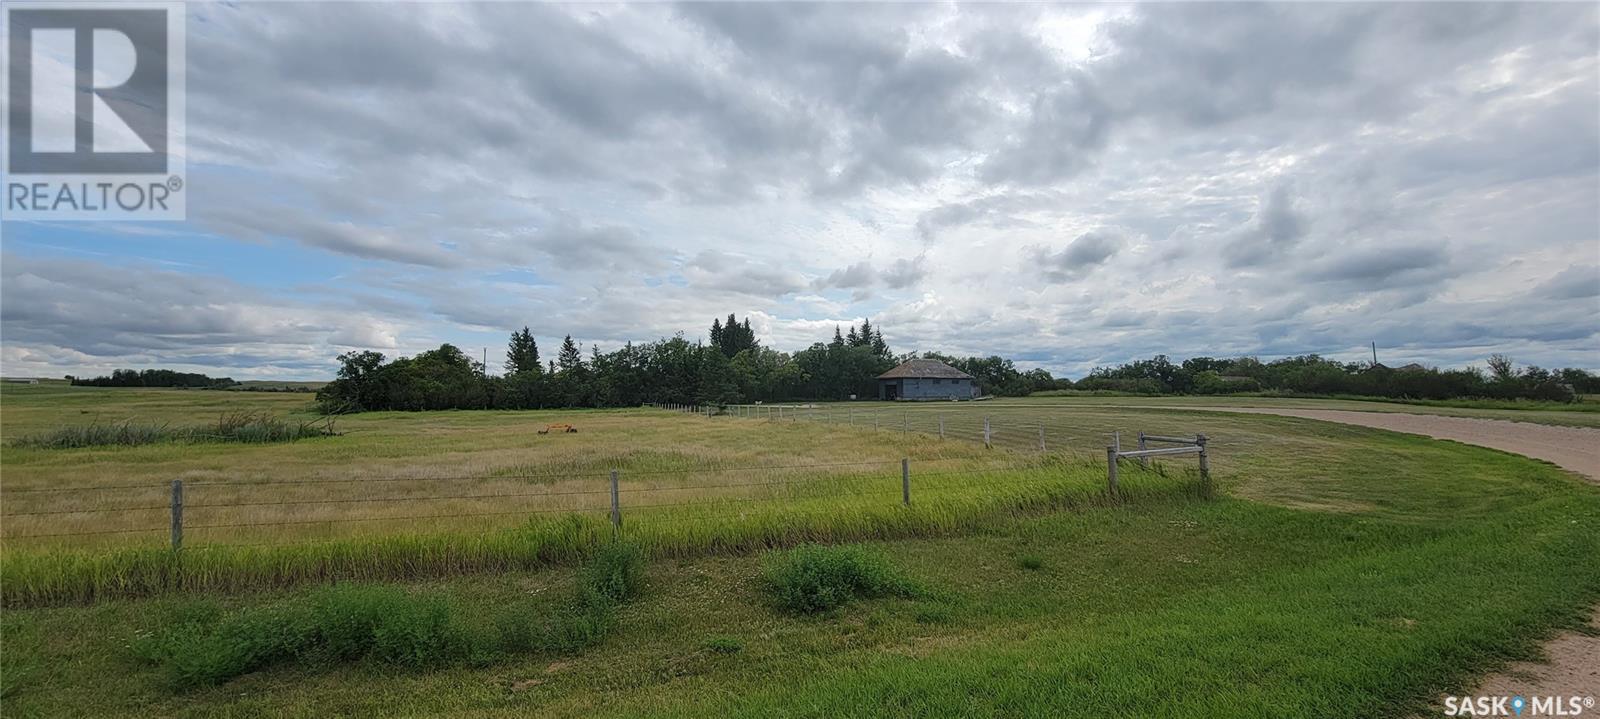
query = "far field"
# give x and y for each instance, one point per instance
(1339, 571)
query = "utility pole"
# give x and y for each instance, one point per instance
(1374, 354)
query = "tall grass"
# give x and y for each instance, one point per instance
(50, 576)
(245, 427)
(812, 578)
(387, 625)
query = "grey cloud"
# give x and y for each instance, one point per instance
(1574, 283)
(1001, 210)
(94, 311)
(1064, 128)
(905, 273)
(863, 277)
(1376, 267)
(857, 276)
(1077, 259)
(1275, 227)
(732, 273)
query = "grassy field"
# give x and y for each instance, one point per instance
(1342, 571)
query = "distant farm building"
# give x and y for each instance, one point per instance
(926, 379)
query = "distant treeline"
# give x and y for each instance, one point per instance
(1311, 374)
(153, 378)
(731, 367)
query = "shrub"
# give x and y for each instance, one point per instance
(614, 574)
(1031, 562)
(812, 578)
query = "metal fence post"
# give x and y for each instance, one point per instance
(874, 421)
(616, 505)
(1205, 465)
(1143, 461)
(177, 514)
(905, 481)
(1111, 469)
(986, 432)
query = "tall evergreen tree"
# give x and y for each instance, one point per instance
(569, 359)
(522, 354)
(865, 338)
(716, 333)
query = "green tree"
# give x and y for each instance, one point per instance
(522, 354)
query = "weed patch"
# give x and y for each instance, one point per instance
(812, 578)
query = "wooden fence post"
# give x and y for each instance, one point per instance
(1041, 438)
(1111, 469)
(1205, 465)
(1143, 461)
(986, 432)
(905, 481)
(177, 514)
(616, 505)
(941, 426)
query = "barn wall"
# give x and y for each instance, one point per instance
(926, 389)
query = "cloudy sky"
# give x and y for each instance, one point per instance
(1064, 185)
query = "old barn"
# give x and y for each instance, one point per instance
(926, 379)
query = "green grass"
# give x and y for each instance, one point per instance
(1341, 571)
(1247, 609)
(199, 646)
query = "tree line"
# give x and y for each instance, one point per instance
(731, 367)
(1316, 375)
(153, 378)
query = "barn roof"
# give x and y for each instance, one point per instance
(924, 369)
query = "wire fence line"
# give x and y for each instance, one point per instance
(212, 506)
(1029, 432)
(992, 429)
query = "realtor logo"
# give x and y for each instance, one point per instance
(94, 120)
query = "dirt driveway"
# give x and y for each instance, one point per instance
(1573, 448)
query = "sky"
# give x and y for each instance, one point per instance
(1064, 185)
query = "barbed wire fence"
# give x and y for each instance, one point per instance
(219, 511)
(252, 512)
(1019, 431)
(972, 425)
